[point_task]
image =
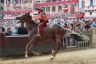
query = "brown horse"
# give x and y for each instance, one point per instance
(55, 32)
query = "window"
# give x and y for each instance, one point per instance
(48, 0)
(90, 12)
(30, 1)
(47, 9)
(1, 7)
(91, 2)
(16, 1)
(65, 0)
(72, 6)
(54, 0)
(85, 10)
(43, 8)
(59, 8)
(59, 0)
(25, 1)
(8, 2)
(37, 0)
(83, 4)
(53, 9)
(2, 1)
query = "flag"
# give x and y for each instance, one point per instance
(43, 11)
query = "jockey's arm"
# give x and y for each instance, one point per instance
(36, 21)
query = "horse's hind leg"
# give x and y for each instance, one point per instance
(55, 50)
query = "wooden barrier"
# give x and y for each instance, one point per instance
(2, 45)
(15, 45)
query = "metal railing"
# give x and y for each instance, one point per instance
(70, 43)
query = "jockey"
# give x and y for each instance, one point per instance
(43, 20)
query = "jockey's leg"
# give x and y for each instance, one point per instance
(39, 29)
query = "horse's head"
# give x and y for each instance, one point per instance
(25, 18)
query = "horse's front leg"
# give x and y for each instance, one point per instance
(31, 44)
(27, 49)
(55, 50)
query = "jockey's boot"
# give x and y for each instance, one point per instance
(38, 34)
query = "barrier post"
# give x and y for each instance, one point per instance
(2, 46)
(94, 37)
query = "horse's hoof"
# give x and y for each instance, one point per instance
(52, 58)
(26, 56)
(38, 54)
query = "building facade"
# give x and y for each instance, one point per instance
(53, 8)
(89, 8)
(63, 8)
(13, 8)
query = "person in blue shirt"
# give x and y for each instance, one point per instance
(14, 31)
(94, 24)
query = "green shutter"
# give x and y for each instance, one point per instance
(1, 8)
(1, 14)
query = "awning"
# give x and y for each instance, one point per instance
(55, 3)
(74, 1)
(80, 15)
(16, 11)
(50, 3)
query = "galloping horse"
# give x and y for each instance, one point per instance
(55, 32)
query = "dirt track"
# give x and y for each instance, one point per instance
(87, 56)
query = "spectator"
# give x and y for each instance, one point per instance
(22, 30)
(94, 24)
(14, 31)
(71, 26)
(66, 26)
(9, 32)
(2, 29)
(87, 26)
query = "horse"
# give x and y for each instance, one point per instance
(55, 32)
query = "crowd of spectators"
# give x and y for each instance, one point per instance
(73, 24)
(78, 25)
(17, 30)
